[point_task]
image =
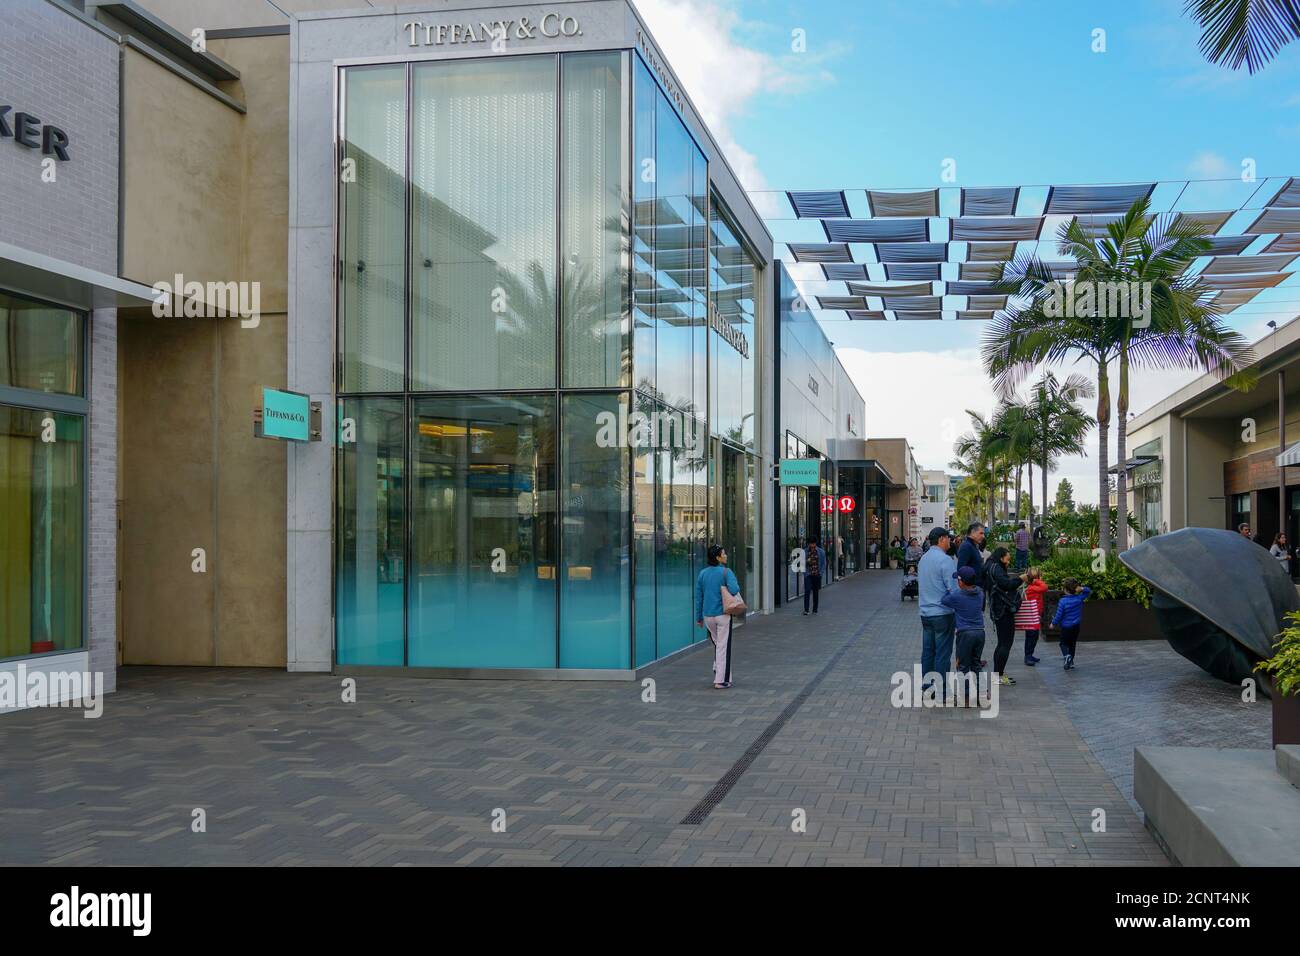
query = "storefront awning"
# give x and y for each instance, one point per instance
(1289, 457)
(45, 277)
(1134, 462)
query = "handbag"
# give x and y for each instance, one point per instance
(732, 604)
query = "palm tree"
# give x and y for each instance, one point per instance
(1245, 31)
(1060, 425)
(981, 448)
(1176, 328)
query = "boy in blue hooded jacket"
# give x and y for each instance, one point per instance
(1068, 617)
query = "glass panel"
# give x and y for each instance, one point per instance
(645, 96)
(733, 516)
(40, 346)
(674, 305)
(644, 468)
(372, 229)
(42, 535)
(595, 588)
(682, 497)
(371, 533)
(595, 216)
(733, 282)
(483, 533)
(699, 284)
(483, 224)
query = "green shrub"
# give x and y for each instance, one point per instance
(1285, 664)
(1115, 583)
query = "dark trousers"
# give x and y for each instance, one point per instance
(812, 588)
(1069, 638)
(1006, 628)
(1031, 642)
(970, 651)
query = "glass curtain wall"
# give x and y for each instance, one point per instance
(42, 478)
(733, 281)
(526, 269)
(670, 309)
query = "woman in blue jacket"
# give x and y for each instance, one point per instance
(709, 614)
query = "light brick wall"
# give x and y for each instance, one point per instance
(63, 72)
(66, 73)
(101, 601)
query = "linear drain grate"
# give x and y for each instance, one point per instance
(700, 812)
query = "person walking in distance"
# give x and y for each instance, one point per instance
(710, 615)
(1022, 547)
(935, 574)
(1004, 601)
(816, 564)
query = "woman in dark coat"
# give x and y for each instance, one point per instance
(1004, 600)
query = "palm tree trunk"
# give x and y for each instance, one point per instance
(1103, 459)
(1006, 490)
(1044, 468)
(1030, 487)
(1121, 448)
(993, 484)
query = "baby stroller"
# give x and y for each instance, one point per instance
(910, 587)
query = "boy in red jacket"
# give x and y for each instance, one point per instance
(1030, 616)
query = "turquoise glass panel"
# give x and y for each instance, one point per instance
(483, 532)
(371, 532)
(595, 582)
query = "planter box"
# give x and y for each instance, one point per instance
(1286, 719)
(1107, 620)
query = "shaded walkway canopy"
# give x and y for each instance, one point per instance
(932, 254)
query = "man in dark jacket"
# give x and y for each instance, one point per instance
(970, 554)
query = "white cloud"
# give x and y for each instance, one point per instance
(923, 397)
(721, 74)
(1210, 165)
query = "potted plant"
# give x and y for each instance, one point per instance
(896, 556)
(1284, 669)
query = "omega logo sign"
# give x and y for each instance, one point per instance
(730, 334)
(486, 31)
(27, 130)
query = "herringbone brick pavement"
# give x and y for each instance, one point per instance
(584, 773)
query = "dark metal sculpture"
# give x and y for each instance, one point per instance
(1219, 598)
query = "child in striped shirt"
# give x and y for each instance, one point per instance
(1030, 616)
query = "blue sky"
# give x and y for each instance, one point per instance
(1014, 93)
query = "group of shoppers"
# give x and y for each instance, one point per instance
(959, 584)
(1280, 549)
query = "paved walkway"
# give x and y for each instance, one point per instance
(585, 773)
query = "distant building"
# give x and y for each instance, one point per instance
(935, 508)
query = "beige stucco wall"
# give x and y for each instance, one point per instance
(1209, 445)
(205, 194)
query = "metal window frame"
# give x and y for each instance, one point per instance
(79, 406)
